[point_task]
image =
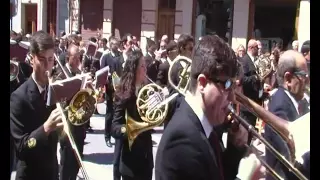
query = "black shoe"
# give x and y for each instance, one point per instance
(90, 130)
(108, 142)
(154, 143)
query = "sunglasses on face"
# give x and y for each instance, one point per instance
(227, 84)
(301, 73)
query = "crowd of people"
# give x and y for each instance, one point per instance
(191, 146)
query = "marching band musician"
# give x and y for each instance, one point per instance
(135, 163)
(190, 147)
(112, 59)
(292, 76)
(32, 123)
(162, 78)
(68, 162)
(151, 62)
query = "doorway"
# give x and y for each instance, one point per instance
(166, 19)
(30, 18)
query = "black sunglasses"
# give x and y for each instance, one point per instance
(226, 84)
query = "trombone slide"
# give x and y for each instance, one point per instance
(251, 130)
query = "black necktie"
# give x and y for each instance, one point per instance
(215, 143)
(43, 95)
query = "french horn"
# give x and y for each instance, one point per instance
(14, 70)
(153, 103)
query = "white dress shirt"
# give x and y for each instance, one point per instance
(293, 100)
(200, 114)
(41, 89)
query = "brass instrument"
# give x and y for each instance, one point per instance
(280, 125)
(78, 112)
(82, 105)
(153, 103)
(115, 81)
(14, 70)
(264, 66)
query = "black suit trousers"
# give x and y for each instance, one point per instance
(109, 113)
(69, 165)
(146, 176)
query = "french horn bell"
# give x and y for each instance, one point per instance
(153, 102)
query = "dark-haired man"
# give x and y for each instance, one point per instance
(32, 123)
(190, 147)
(69, 164)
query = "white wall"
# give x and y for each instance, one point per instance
(240, 23)
(18, 21)
(304, 22)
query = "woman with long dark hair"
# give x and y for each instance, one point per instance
(135, 163)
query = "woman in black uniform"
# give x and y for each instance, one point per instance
(137, 163)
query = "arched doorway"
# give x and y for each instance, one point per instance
(166, 18)
(127, 17)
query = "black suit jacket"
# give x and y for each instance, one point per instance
(185, 152)
(162, 76)
(139, 160)
(152, 67)
(281, 105)
(251, 85)
(28, 112)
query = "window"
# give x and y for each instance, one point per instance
(167, 4)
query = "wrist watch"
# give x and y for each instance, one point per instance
(123, 129)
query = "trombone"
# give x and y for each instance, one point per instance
(281, 126)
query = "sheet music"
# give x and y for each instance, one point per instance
(101, 77)
(300, 129)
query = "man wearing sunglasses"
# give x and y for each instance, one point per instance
(191, 146)
(292, 76)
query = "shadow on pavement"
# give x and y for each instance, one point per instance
(97, 131)
(99, 158)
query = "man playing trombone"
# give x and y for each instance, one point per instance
(292, 76)
(32, 123)
(190, 147)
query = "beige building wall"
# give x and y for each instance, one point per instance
(183, 19)
(107, 18)
(240, 23)
(148, 21)
(304, 22)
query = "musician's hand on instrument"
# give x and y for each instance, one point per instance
(53, 122)
(239, 135)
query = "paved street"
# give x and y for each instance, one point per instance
(97, 156)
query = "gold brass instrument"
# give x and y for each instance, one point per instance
(264, 66)
(152, 103)
(79, 111)
(14, 70)
(82, 105)
(184, 74)
(115, 81)
(278, 124)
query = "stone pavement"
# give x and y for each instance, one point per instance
(97, 156)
